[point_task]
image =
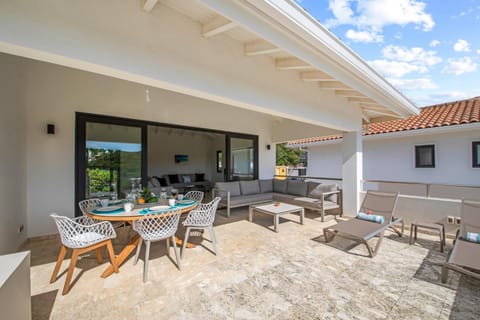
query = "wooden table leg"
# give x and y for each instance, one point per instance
(180, 243)
(120, 259)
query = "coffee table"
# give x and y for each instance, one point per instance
(275, 209)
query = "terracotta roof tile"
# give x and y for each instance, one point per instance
(439, 115)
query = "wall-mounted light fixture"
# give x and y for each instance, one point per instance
(50, 128)
(268, 147)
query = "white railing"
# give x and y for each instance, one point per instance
(427, 190)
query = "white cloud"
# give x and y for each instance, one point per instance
(440, 97)
(434, 43)
(478, 51)
(372, 15)
(461, 46)
(416, 55)
(396, 68)
(460, 66)
(363, 36)
(413, 84)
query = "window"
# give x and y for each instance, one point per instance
(425, 156)
(476, 154)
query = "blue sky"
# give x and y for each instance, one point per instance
(429, 50)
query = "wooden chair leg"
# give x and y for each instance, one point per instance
(61, 256)
(73, 262)
(98, 251)
(111, 253)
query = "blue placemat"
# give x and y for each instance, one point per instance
(185, 204)
(119, 210)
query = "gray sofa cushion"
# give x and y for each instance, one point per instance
(249, 199)
(280, 186)
(232, 187)
(297, 188)
(320, 189)
(312, 185)
(266, 185)
(249, 187)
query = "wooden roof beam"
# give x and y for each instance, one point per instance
(217, 25)
(291, 64)
(259, 47)
(315, 76)
(149, 4)
(349, 93)
(334, 85)
(361, 100)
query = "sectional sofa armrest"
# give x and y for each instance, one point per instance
(224, 195)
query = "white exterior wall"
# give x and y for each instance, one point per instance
(12, 157)
(394, 158)
(53, 94)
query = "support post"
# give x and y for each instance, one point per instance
(352, 169)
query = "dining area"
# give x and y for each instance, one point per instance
(165, 220)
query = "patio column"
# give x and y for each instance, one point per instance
(352, 170)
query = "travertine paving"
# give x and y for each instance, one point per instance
(259, 274)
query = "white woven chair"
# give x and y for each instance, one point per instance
(201, 218)
(89, 205)
(195, 195)
(155, 227)
(80, 235)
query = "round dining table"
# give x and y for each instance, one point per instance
(120, 215)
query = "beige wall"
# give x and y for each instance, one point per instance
(53, 94)
(12, 157)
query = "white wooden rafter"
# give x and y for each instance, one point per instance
(334, 85)
(291, 64)
(315, 76)
(259, 47)
(217, 25)
(149, 4)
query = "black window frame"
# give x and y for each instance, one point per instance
(475, 155)
(417, 156)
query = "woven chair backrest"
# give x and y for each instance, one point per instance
(195, 195)
(157, 226)
(88, 204)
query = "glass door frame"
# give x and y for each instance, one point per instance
(81, 120)
(228, 137)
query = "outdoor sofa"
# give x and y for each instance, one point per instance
(307, 194)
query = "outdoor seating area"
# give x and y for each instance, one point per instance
(258, 274)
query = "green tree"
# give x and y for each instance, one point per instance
(288, 156)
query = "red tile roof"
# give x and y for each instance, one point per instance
(439, 115)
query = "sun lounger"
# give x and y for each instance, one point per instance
(464, 257)
(379, 205)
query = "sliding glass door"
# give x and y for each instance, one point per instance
(242, 157)
(110, 153)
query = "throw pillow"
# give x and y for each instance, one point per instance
(173, 178)
(320, 189)
(199, 176)
(371, 217)
(155, 182)
(187, 179)
(162, 181)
